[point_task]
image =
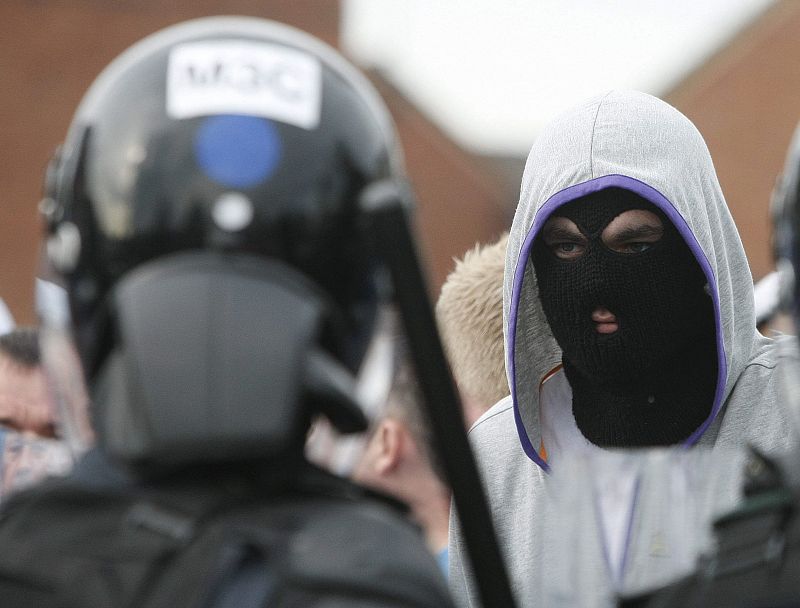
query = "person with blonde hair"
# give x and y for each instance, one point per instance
(470, 316)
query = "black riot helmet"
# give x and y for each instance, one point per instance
(203, 215)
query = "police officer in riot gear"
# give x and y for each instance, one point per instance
(203, 215)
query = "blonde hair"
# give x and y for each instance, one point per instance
(469, 313)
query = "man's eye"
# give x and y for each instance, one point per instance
(567, 250)
(636, 247)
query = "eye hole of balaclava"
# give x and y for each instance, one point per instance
(654, 291)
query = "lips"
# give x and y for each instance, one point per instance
(605, 322)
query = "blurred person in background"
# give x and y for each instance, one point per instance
(629, 316)
(204, 216)
(469, 313)
(399, 461)
(28, 447)
(24, 401)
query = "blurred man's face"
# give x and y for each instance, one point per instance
(24, 402)
(28, 451)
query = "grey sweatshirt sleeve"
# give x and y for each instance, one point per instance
(458, 578)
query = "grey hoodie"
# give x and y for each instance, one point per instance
(525, 444)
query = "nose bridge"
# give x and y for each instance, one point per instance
(594, 280)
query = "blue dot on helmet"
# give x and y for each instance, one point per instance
(237, 151)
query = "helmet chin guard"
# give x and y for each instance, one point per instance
(216, 359)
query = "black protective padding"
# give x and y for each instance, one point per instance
(213, 541)
(209, 361)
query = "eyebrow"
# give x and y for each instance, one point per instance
(559, 232)
(637, 232)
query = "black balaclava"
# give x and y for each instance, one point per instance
(652, 381)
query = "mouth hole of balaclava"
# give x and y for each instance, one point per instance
(632, 316)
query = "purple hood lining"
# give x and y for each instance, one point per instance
(659, 200)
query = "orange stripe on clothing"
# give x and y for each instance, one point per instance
(547, 376)
(550, 374)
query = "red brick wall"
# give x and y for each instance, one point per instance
(459, 199)
(746, 103)
(50, 51)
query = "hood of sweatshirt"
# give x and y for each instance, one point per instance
(633, 141)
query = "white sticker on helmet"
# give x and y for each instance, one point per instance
(239, 77)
